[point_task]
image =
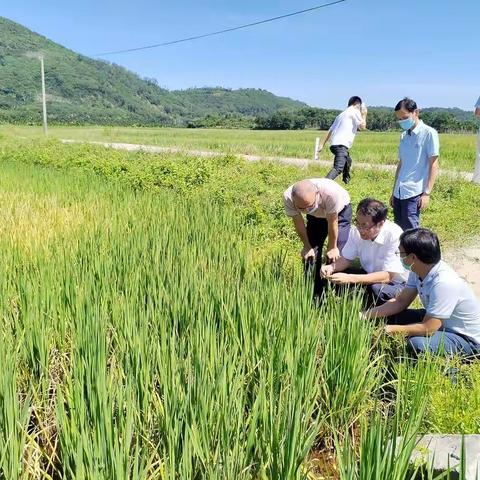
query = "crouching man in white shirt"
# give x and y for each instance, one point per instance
(450, 320)
(374, 240)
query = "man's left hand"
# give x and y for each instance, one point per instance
(424, 201)
(333, 254)
(340, 278)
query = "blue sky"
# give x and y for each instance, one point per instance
(381, 50)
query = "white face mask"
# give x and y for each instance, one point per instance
(312, 209)
(315, 206)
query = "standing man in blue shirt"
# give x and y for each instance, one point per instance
(417, 166)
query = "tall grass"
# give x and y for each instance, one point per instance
(144, 338)
(154, 348)
(389, 434)
(350, 368)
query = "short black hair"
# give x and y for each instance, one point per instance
(407, 103)
(423, 243)
(354, 100)
(373, 208)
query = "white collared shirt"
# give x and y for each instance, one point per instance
(380, 254)
(345, 127)
(448, 297)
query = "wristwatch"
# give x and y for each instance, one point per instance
(426, 192)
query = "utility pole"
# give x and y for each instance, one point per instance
(44, 100)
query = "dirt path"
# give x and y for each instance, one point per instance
(465, 260)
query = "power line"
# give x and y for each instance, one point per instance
(196, 37)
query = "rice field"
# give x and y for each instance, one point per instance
(457, 151)
(155, 326)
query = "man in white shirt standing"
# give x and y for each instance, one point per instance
(449, 321)
(476, 174)
(374, 240)
(341, 135)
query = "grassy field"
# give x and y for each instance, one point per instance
(156, 325)
(254, 190)
(457, 151)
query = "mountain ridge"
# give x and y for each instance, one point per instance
(84, 90)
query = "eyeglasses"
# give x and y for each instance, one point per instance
(363, 227)
(400, 254)
(309, 208)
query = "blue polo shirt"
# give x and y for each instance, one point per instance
(448, 297)
(416, 147)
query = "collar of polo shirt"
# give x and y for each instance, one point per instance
(380, 238)
(432, 273)
(416, 130)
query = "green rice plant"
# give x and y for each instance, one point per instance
(14, 416)
(164, 350)
(389, 435)
(350, 367)
(96, 412)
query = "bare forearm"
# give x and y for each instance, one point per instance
(396, 176)
(432, 175)
(392, 307)
(332, 233)
(371, 278)
(327, 138)
(413, 329)
(363, 125)
(299, 225)
(340, 265)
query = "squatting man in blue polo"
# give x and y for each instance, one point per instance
(450, 319)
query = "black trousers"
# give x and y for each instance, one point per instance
(341, 163)
(317, 232)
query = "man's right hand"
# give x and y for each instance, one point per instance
(391, 200)
(308, 252)
(326, 270)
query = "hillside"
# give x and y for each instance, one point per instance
(83, 90)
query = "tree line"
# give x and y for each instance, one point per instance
(379, 119)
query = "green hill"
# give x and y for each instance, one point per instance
(82, 90)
